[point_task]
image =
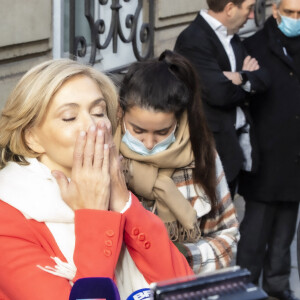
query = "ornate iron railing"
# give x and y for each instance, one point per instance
(145, 33)
(260, 12)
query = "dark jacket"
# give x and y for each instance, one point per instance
(298, 248)
(199, 43)
(276, 118)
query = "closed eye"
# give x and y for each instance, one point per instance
(100, 115)
(163, 132)
(69, 119)
(138, 131)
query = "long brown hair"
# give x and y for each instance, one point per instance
(170, 84)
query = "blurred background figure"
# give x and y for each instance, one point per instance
(272, 194)
(229, 76)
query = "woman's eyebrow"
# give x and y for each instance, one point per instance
(98, 101)
(142, 129)
(137, 127)
(75, 105)
(65, 106)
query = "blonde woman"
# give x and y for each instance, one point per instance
(65, 211)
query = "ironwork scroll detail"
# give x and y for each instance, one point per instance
(78, 44)
(260, 12)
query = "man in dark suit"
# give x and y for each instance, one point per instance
(273, 193)
(228, 77)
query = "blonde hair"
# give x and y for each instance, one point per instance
(29, 101)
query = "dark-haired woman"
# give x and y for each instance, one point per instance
(171, 163)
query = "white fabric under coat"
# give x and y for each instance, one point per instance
(35, 193)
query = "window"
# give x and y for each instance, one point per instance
(108, 34)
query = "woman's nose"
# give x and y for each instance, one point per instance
(149, 142)
(88, 121)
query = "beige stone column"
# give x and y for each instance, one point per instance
(25, 39)
(171, 17)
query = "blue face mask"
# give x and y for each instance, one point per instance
(137, 146)
(289, 27)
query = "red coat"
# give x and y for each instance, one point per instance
(24, 244)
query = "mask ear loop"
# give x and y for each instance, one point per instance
(176, 126)
(124, 125)
(123, 119)
(277, 18)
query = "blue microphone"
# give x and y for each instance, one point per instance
(142, 294)
(94, 288)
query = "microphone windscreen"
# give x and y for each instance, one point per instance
(94, 288)
(142, 294)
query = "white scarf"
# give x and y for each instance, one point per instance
(35, 193)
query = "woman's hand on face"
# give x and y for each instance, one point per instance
(89, 186)
(119, 194)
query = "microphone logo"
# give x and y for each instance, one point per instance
(142, 294)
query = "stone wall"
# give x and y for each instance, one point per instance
(25, 39)
(171, 17)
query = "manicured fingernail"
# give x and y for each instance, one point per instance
(93, 128)
(100, 132)
(105, 146)
(82, 133)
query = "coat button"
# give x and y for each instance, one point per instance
(107, 252)
(108, 243)
(297, 117)
(147, 245)
(135, 231)
(291, 74)
(110, 232)
(141, 237)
